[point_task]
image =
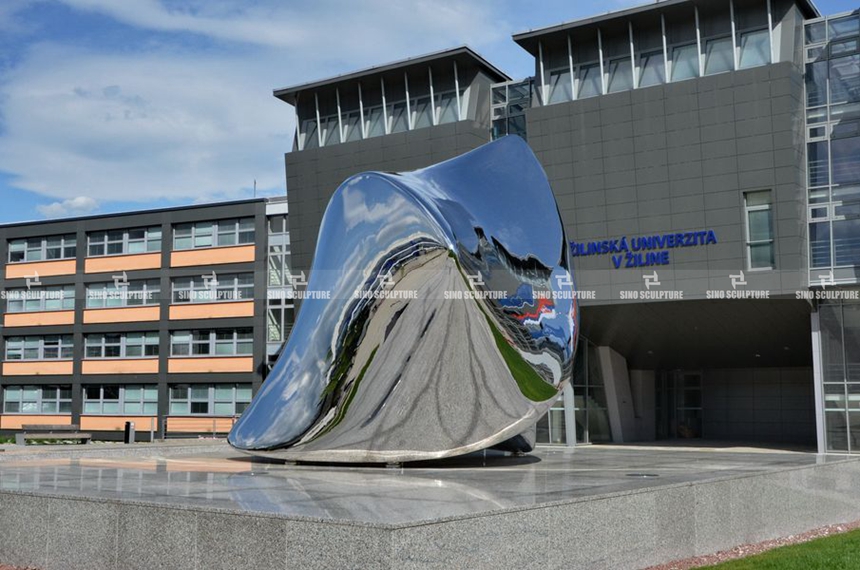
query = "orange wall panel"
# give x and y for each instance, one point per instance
(120, 366)
(37, 368)
(212, 310)
(43, 268)
(122, 262)
(199, 425)
(212, 256)
(124, 315)
(44, 318)
(216, 364)
(14, 421)
(117, 423)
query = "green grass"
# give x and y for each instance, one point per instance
(839, 552)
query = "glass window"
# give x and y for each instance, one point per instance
(39, 249)
(330, 133)
(352, 127)
(223, 342)
(232, 287)
(845, 79)
(846, 160)
(308, 134)
(446, 111)
(559, 86)
(755, 49)
(120, 242)
(844, 27)
(653, 69)
(397, 118)
(685, 62)
(818, 157)
(121, 345)
(816, 33)
(421, 109)
(846, 241)
(760, 249)
(210, 234)
(374, 119)
(844, 47)
(118, 294)
(209, 399)
(590, 84)
(49, 347)
(119, 399)
(719, 56)
(37, 400)
(36, 299)
(620, 75)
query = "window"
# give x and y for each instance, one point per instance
(42, 249)
(236, 287)
(122, 242)
(760, 254)
(653, 69)
(845, 79)
(397, 118)
(113, 294)
(60, 298)
(446, 108)
(121, 400)
(590, 83)
(209, 399)
(48, 347)
(224, 342)
(373, 118)
(213, 234)
(559, 86)
(816, 84)
(352, 126)
(844, 27)
(818, 158)
(816, 33)
(280, 319)
(819, 244)
(37, 400)
(719, 56)
(620, 75)
(685, 62)
(844, 47)
(845, 155)
(755, 49)
(121, 345)
(421, 109)
(308, 134)
(330, 133)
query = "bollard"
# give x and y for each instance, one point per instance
(128, 437)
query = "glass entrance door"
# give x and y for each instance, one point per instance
(679, 404)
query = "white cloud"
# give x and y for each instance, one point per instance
(77, 206)
(192, 123)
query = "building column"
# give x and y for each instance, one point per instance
(818, 382)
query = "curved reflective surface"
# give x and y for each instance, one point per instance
(439, 318)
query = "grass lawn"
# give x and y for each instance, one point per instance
(838, 552)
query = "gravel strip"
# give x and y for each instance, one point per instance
(752, 549)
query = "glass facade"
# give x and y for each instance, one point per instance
(833, 146)
(280, 305)
(840, 361)
(509, 102)
(589, 403)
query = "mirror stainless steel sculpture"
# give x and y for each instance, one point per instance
(439, 318)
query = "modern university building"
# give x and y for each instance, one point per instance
(705, 156)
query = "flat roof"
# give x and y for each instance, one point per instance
(131, 213)
(288, 94)
(528, 39)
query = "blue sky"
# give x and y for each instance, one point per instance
(112, 105)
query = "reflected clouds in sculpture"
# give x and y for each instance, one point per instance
(449, 324)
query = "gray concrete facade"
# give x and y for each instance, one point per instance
(675, 158)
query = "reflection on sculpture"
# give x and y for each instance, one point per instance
(439, 318)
